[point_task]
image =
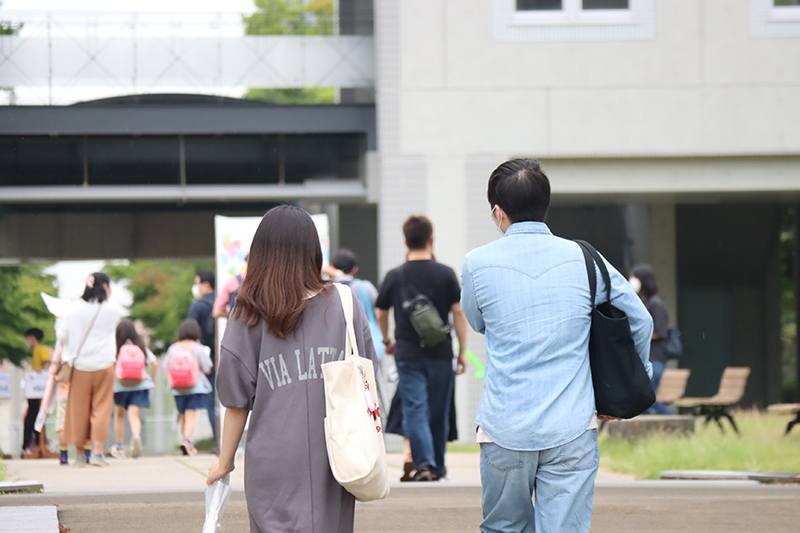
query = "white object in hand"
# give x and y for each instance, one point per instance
(217, 496)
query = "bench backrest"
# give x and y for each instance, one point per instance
(732, 385)
(673, 384)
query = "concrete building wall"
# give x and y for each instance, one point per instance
(697, 103)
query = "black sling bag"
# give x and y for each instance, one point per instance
(422, 314)
(621, 386)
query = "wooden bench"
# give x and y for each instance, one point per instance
(673, 385)
(788, 408)
(731, 391)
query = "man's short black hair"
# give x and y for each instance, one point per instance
(206, 276)
(417, 230)
(345, 260)
(35, 332)
(521, 188)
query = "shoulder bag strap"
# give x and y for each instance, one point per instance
(407, 291)
(346, 296)
(91, 325)
(600, 265)
(589, 271)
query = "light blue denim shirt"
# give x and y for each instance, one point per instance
(528, 293)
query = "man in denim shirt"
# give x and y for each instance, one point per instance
(528, 293)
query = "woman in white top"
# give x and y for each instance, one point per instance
(87, 335)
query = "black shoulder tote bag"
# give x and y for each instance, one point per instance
(621, 386)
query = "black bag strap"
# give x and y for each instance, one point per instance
(586, 247)
(590, 271)
(407, 292)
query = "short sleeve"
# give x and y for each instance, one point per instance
(203, 356)
(237, 372)
(384, 300)
(366, 348)
(149, 357)
(236, 385)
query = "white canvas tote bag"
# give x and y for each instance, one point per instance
(353, 430)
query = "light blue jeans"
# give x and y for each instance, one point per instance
(561, 477)
(658, 408)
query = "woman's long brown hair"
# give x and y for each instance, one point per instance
(284, 267)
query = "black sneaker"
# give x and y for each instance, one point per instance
(423, 475)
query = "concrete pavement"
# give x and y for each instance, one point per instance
(166, 494)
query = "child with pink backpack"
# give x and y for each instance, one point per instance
(187, 363)
(132, 386)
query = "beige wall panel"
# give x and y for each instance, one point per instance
(691, 175)
(447, 199)
(422, 33)
(476, 60)
(732, 55)
(676, 121)
(457, 123)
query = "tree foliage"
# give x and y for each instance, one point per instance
(161, 295)
(9, 28)
(291, 17)
(22, 308)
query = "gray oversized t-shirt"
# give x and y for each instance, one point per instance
(288, 482)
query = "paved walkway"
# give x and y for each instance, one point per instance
(188, 473)
(166, 494)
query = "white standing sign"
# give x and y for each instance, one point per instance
(35, 384)
(5, 385)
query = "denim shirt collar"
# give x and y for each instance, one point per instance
(528, 227)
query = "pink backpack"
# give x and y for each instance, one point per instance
(130, 366)
(183, 368)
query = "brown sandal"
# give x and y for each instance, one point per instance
(408, 469)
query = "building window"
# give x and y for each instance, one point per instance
(574, 20)
(534, 12)
(785, 10)
(775, 18)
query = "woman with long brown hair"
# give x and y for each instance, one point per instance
(286, 323)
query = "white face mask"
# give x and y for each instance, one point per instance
(497, 227)
(635, 283)
(196, 292)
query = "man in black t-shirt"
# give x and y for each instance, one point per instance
(426, 372)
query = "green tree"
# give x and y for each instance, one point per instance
(291, 17)
(8, 28)
(161, 295)
(22, 308)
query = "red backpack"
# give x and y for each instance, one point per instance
(130, 365)
(183, 368)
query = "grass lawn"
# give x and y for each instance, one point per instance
(760, 448)
(3, 475)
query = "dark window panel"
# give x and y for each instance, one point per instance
(320, 157)
(539, 5)
(133, 160)
(244, 159)
(605, 4)
(29, 161)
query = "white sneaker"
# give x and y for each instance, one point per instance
(136, 447)
(117, 453)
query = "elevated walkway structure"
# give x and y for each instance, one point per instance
(57, 53)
